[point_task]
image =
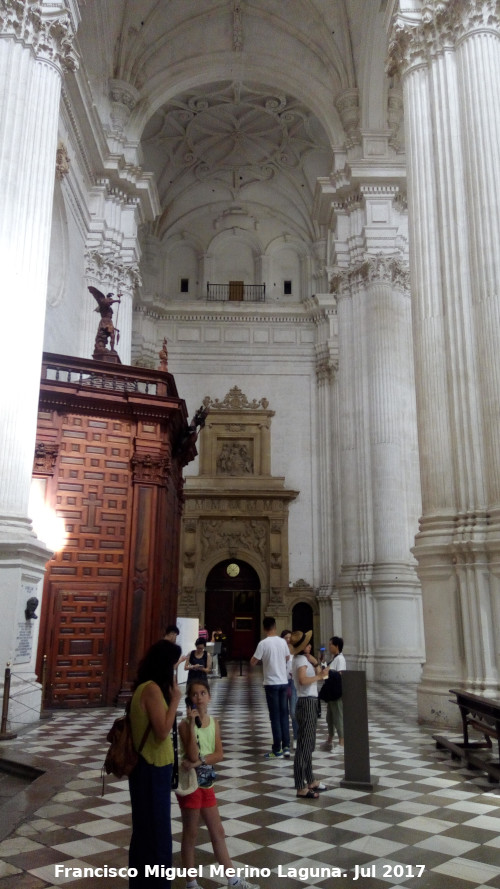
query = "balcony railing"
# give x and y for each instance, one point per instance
(236, 291)
(84, 374)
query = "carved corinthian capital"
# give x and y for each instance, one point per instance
(469, 16)
(441, 24)
(47, 29)
(407, 47)
(111, 272)
(385, 269)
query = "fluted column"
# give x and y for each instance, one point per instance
(379, 588)
(35, 49)
(478, 63)
(349, 469)
(30, 86)
(449, 63)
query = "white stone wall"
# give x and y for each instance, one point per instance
(271, 357)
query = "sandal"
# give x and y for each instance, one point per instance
(311, 794)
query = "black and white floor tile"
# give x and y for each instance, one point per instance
(429, 822)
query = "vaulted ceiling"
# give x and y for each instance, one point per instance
(235, 100)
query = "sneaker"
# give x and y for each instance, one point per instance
(286, 752)
(272, 755)
(326, 746)
(242, 884)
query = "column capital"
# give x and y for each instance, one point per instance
(112, 271)
(46, 28)
(339, 282)
(383, 269)
(440, 25)
(380, 268)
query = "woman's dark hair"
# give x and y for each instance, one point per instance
(158, 665)
(200, 641)
(285, 633)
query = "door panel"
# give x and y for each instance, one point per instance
(81, 646)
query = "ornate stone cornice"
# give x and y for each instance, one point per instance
(47, 30)
(235, 400)
(228, 316)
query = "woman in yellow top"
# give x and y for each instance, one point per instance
(152, 712)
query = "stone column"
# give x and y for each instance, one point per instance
(350, 443)
(35, 49)
(478, 64)
(379, 589)
(396, 598)
(449, 62)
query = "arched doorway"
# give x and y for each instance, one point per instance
(232, 602)
(303, 618)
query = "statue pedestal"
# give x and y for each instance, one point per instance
(356, 738)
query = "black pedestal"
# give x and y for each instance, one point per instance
(356, 738)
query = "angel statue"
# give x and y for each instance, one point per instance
(106, 327)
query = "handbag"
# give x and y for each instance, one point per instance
(122, 757)
(205, 773)
(331, 690)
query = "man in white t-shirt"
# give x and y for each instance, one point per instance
(273, 653)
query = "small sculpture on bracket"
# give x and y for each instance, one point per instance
(106, 329)
(163, 356)
(31, 607)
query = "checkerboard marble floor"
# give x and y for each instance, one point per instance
(429, 823)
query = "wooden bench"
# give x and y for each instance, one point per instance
(483, 715)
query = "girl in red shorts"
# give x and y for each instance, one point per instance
(201, 743)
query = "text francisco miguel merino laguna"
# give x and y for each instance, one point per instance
(217, 870)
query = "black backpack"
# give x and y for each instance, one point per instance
(331, 690)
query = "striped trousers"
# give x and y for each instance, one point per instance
(306, 714)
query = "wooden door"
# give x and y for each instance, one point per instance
(236, 291)
(81, 645)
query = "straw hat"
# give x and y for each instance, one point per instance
(299, 640)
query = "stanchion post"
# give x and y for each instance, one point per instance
(4, 734)
(44, 687)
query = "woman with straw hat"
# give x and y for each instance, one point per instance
(305, 676)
